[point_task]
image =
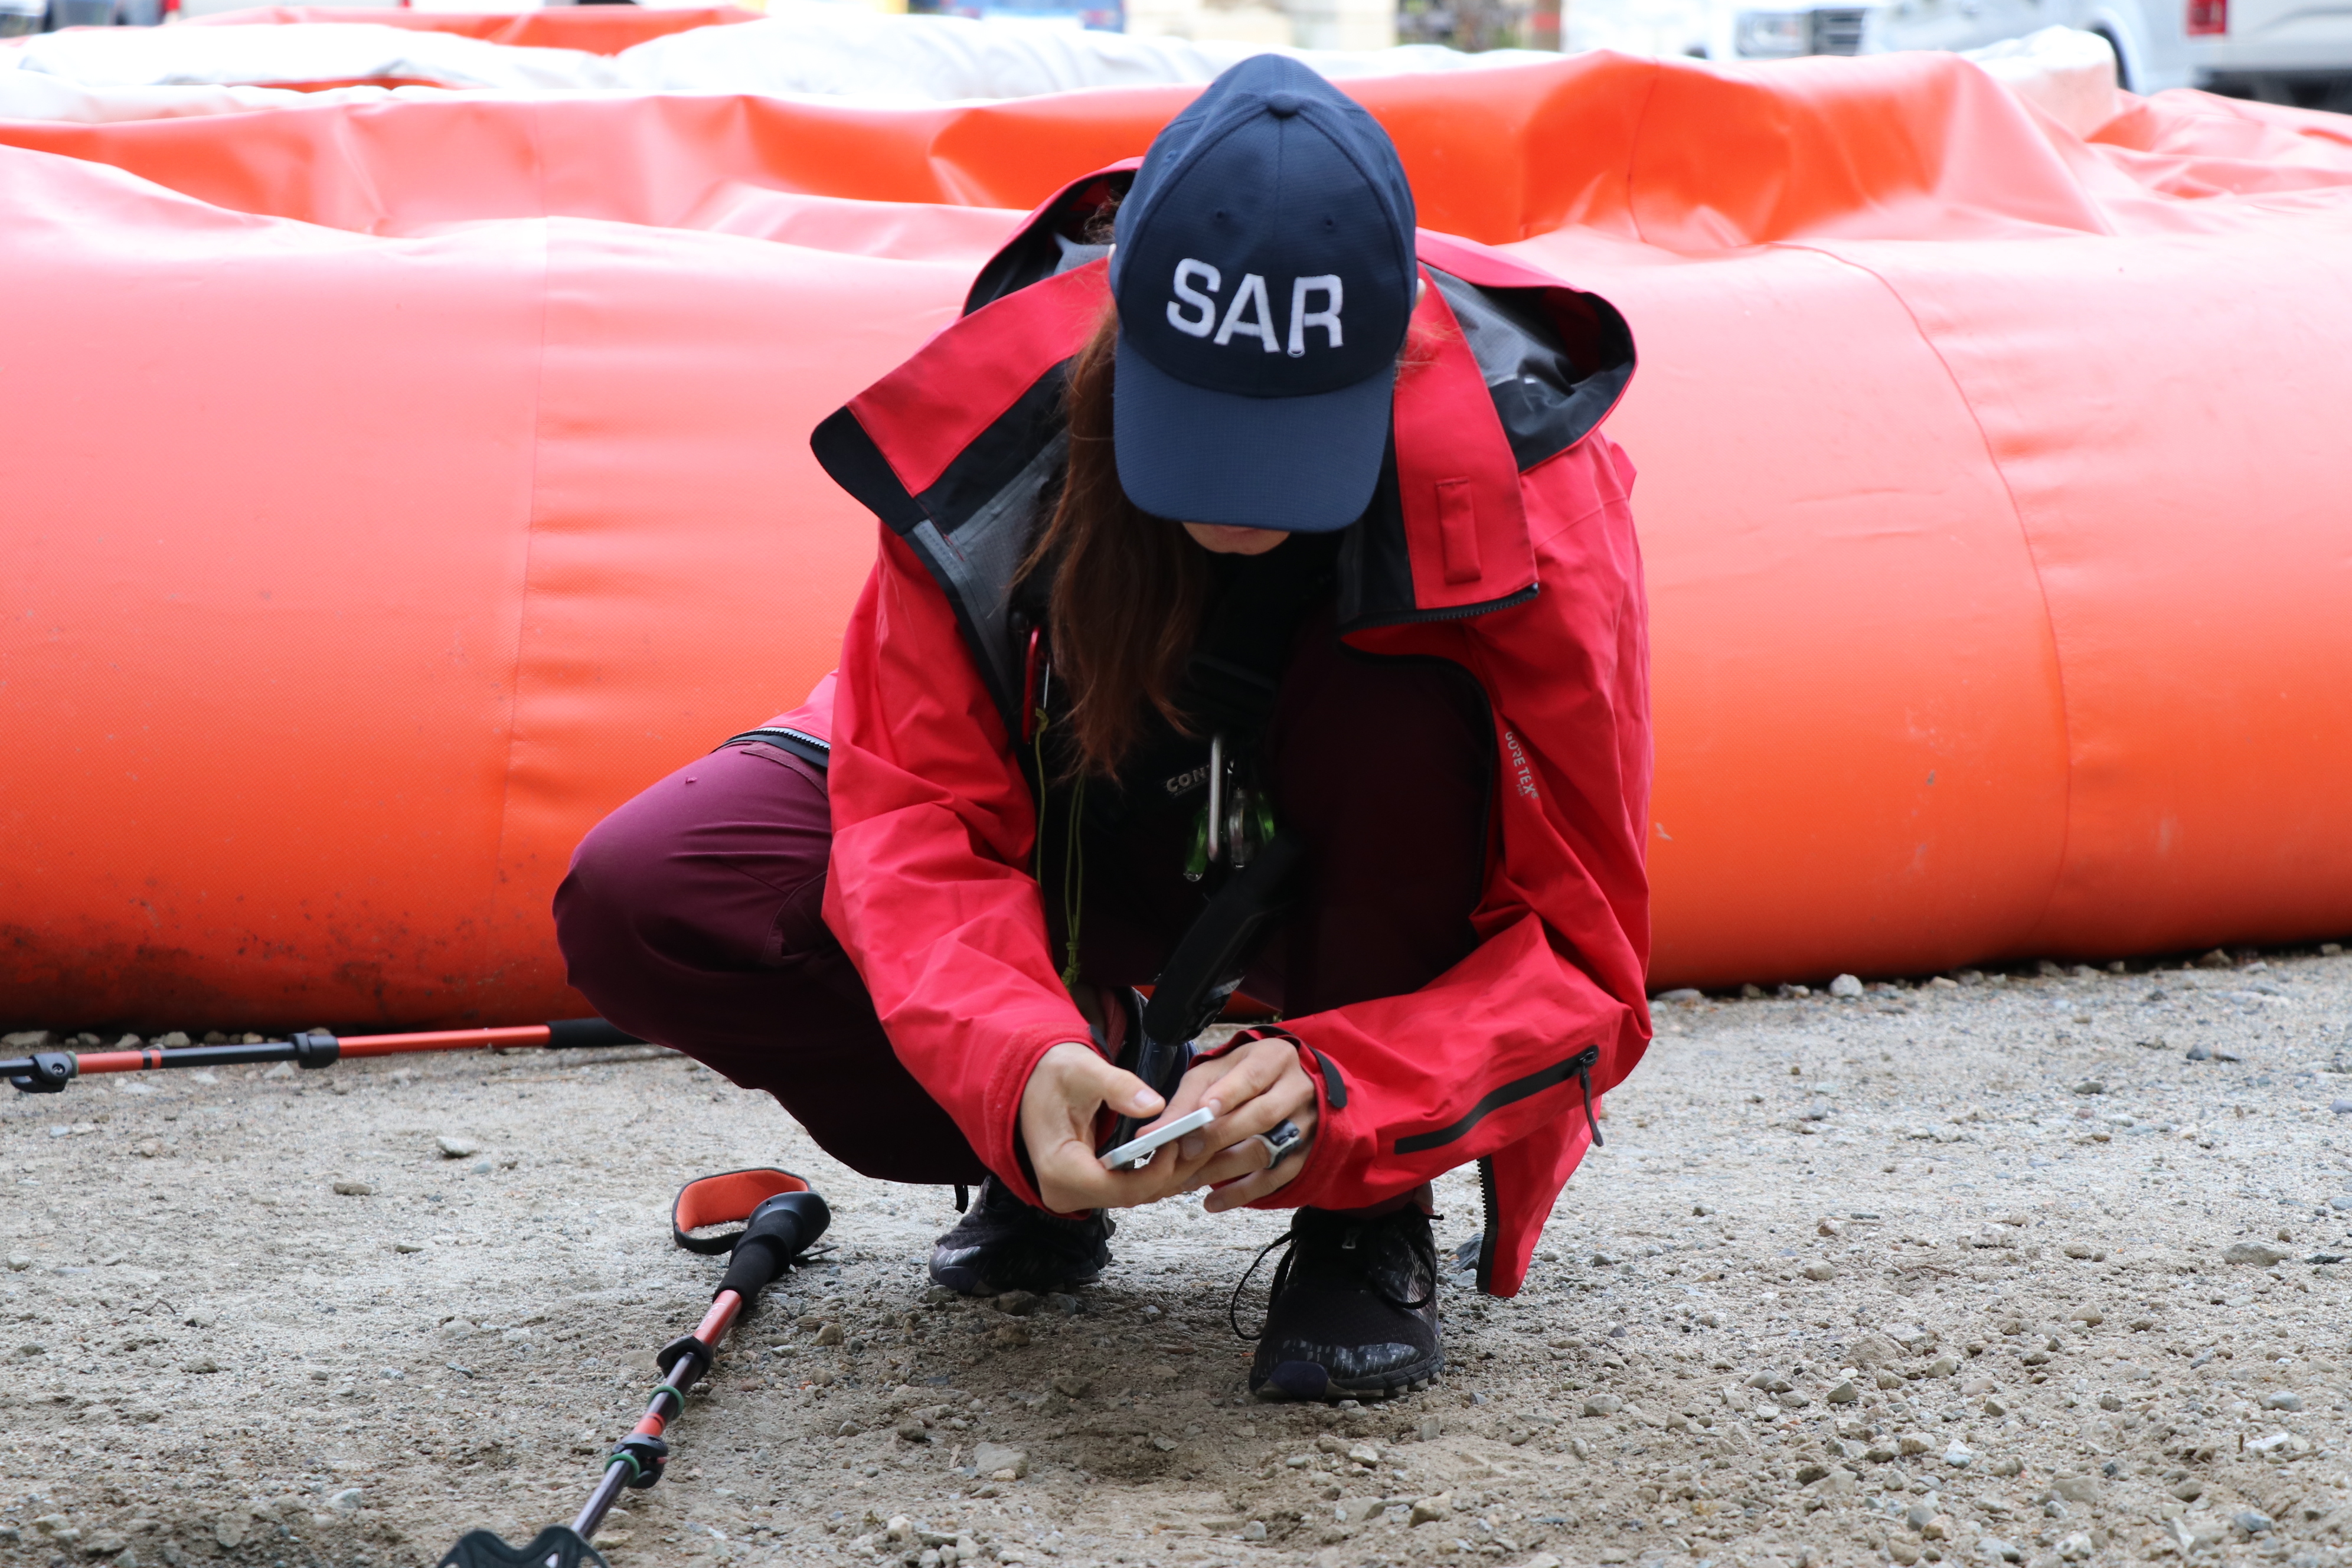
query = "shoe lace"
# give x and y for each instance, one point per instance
(1419, 1241)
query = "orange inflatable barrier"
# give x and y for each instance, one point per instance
(390, 489)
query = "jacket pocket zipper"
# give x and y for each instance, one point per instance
(807, 747)
(1579, 1067)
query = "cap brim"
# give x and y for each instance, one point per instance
(1303, 465)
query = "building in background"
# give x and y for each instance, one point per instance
(1277, 23)
(1480, 25)
(1104, 16)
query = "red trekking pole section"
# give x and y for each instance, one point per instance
(783, 1217)
(48, 1072)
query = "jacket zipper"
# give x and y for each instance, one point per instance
(795, 740)
(1419, 617)
(1491, 1232)
(1579, 1066)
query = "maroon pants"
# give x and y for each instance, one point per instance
(692, 915)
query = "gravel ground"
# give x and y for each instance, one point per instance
(2034, 1268)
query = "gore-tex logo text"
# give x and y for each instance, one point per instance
(1520, 772)
(1251, 313)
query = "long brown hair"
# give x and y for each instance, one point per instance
(1128, 587)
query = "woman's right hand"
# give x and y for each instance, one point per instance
(1070, 1084)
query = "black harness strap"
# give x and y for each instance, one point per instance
(1207, 968)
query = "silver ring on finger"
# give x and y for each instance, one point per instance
(1282, 1140)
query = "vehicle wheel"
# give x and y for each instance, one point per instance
(2123, 78)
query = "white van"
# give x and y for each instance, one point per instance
(2281, 51)
(2150, 41)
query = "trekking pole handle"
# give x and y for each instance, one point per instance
(580, 1034)
(780, 1229)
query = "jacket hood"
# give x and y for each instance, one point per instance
(959, 449)
(1555, 359)
(1046, 238)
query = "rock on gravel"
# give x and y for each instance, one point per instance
(996, 1461)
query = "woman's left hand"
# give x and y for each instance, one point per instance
(1258, 1087)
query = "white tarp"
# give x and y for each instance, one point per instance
(2068, 74)
(307, 52)
(803, 48)
(850, 51)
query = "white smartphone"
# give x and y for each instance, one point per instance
(1129, 1152)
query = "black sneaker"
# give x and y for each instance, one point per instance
(1001, 1243)
(1354, 1310)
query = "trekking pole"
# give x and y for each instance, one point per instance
(783, 1217)
(48, 1072)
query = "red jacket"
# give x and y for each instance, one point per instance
(1506, 545)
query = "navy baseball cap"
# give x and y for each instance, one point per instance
(1264, 277)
